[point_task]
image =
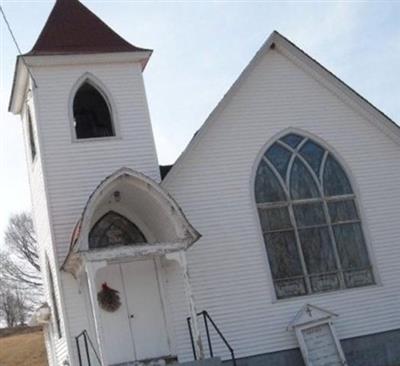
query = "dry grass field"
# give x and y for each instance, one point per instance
(23, 349)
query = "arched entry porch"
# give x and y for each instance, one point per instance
(128, 226)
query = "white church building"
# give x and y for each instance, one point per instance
(274, 239)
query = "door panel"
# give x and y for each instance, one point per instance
(144, 303)
(116, 331)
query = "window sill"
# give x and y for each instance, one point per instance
(327, 293)
(96, 139)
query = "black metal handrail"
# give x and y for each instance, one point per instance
(207, 318)
(87, 341)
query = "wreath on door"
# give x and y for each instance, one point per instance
(108, 298)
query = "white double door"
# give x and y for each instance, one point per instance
(137, 330)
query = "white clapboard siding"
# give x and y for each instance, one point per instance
(213, 185)
(178, 308)
(43, 232)
(72, 170)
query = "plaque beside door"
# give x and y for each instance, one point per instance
(318, 342)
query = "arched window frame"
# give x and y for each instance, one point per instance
(356, 196)
(103, 90)
(126, 220)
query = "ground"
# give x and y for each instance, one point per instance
(22, 347)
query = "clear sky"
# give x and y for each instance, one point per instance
(199, 50)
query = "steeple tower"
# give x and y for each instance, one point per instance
(81, 97)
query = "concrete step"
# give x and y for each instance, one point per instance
(215, 361)
(159, 361)
(172, 361)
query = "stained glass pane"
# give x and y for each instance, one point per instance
(325, 282)
(317, 250)
(114, 230)
(302, 184)
(279, 157)
(267, 186)
(276, 218)
(283, 255)
(357, 278)
(290, 287)
(342, 211)
(309, 214)
(335, 179)
(314, 232)
(351, 246)
(292, 140)
(313, 154)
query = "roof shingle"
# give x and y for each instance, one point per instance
(73, 29)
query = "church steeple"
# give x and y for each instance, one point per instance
(71, 28)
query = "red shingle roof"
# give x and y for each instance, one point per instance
(73, 29)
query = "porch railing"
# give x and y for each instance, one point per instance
(207, 319)
(87, 354)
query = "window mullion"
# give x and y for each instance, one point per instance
(333, 241)
(298, 243)
(272, 204)
(327, 216)
(322, 167)
(291, 161)
(342, 197)
(292, 217)
(357, 221)
(293, 150)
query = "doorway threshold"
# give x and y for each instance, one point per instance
(158, 361)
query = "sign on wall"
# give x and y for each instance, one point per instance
(318, 342)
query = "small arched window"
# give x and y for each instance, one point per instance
(92, 115)
(113, 229)
(310, 221)
(31, 136)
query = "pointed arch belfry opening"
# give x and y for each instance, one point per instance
(310, 219)
(92, 113)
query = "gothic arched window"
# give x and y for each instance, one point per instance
(92, 115)
(31, 136)
(113, 229)
(310, 220)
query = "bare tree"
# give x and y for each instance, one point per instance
(19, 264)
(20, 281)
(14, 308)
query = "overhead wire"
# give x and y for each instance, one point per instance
(16, 45)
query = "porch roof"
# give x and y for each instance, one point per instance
(152, 205)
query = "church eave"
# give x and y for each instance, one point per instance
(23, 62)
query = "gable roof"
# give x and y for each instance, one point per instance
(71, 28)
(332, 82)
(310, 314)
(164, 169)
